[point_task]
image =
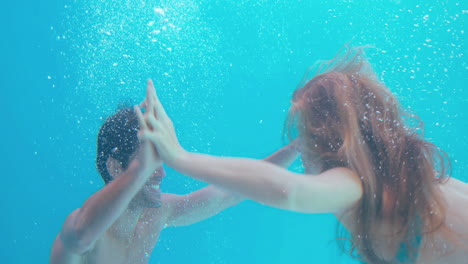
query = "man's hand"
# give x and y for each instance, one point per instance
(157, 127)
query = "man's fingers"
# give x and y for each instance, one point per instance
(149, 137)
(143, 104)
(141, 120)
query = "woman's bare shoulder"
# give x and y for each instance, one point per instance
(343, 171)
(455, 193)
(455, 185)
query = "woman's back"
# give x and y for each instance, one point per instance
(444, 248)
(451, 248)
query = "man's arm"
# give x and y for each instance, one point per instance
(85, 225)
(284, 156)
(209, 201)
(199, 205)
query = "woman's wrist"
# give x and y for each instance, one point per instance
(178, 159)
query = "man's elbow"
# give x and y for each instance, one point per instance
(73, 235)
(235, 199)
(76, 242)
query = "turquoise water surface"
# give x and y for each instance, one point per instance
(225, 71)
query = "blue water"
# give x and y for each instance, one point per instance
(225, 71)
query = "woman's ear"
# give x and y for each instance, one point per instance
(114, 167)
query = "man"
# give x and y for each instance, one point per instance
(121, 222)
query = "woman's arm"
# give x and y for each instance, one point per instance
(331, 191)
(209, 201)
(258, 180)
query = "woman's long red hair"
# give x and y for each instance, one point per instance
(346, 117)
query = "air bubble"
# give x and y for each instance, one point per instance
(159, 11)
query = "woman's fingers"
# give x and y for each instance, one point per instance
(149, 91)
(161, 113)
(155, 124)
(155, 117)
(152, 110)
(151, 99)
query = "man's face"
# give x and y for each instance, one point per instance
(150, 193)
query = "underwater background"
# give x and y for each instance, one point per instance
(225, 71)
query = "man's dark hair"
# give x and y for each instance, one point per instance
(118, 139)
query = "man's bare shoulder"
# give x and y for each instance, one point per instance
(167, 198)
(169, 201)
(156, 218)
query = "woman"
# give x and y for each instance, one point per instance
(385, 183)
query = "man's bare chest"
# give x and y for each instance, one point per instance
(135, 248)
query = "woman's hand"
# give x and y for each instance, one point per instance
(147, 155)
(158, 128)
